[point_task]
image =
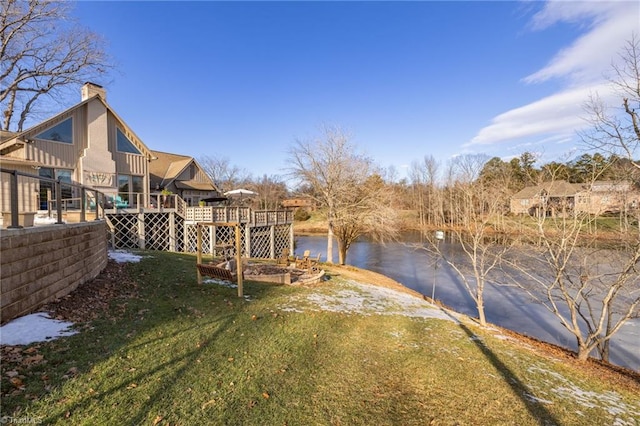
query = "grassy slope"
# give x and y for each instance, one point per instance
(181, 354)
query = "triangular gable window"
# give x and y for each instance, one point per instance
(61, 132)
(125, 145)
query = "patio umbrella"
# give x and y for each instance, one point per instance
(240, 193)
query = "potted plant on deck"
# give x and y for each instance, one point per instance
(166, 201)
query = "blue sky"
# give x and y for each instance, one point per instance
(244, 80)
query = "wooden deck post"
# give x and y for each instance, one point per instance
(199, 252)
(142, 243)
(58, 186)
(272, 242)
(239, 260)
(172, 233)
(212, 239)
(13, 194)
(247, 240)
(291, 239)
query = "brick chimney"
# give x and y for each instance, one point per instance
(91, 89)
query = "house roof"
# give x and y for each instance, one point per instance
(18, 139)
(526, 193)
(557, 188)
(11, 145)
(193, 185)
(166, 168)
(610, 185)
(5, 135)
(561, 188)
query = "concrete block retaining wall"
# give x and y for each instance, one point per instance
(41, 264)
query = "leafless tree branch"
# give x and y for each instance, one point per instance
(43, 53)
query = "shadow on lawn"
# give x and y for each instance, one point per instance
(160, 299)
(537, 410)
(188, 360)
(171, 370)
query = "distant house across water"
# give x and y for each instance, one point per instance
(299, 203)
(552, 198)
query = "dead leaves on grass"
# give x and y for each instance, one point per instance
(84, 304)
(94, 298)
(16, 365)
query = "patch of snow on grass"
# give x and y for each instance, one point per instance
(609, 401)
(502, 337)
(221, 283)
(536, 399)
(38, 327)
(122, 256)
(291, 309)
(346, 301)
(396, 334)
(367, 299)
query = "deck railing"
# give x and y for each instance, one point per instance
(230, 214)
(272, 217)
(218, 214)
(83, 199)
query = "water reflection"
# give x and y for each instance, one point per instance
(505, 306)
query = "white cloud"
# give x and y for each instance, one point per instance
(580, 66)
(559, 113)
(590, 56)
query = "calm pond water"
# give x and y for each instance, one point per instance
(506, 307)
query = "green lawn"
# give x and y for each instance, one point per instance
(182, 354)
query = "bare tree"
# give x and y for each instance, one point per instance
(592, 291)
(43, 55)
(592, 288)
(418, 192)
(343, 182)
(225, 175)
(474, 205)
(423, 178)
(617, 130)
(271, 191)
(367, 210)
